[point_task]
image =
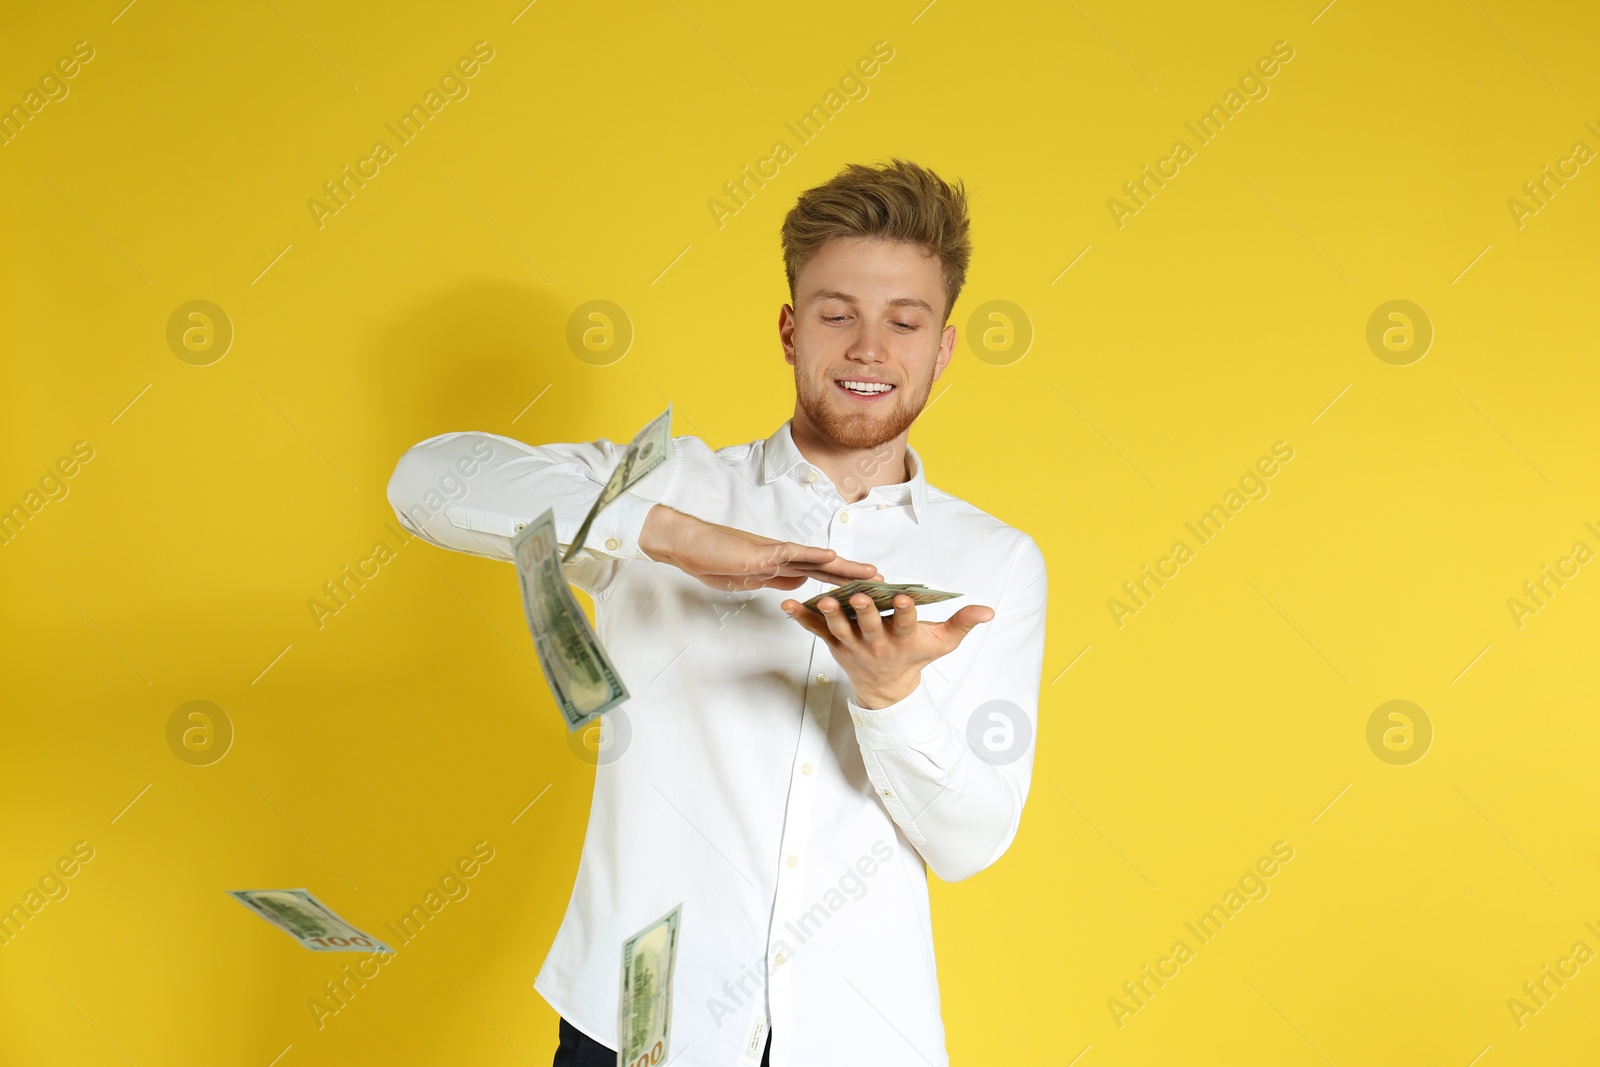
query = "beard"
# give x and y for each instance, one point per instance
(866, 427)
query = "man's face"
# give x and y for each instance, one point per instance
(868, 316)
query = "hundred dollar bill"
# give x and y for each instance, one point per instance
(882, 593)
(577, 669)
(307, 919)
(644, 1014)
(649, 449)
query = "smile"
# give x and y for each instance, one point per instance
(864, 391)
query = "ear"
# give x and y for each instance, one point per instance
(786, 325)
(947, 348)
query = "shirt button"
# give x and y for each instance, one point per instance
(811, 477)
(805, 768)
(778, 959)
(882, 506)
(794, 861)
(844, 516)
(822, 678)
(857, 718)
(613, 544)
(887, 793)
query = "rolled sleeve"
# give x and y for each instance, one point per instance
(471, 492)
(616, 529)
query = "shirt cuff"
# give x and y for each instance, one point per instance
(907, 721)
(616, 529)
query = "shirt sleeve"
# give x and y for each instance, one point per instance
(471, 492)
(959, 802)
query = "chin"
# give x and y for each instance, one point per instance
(859, 429)
(860, 438)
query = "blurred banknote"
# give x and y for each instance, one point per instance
(649, 449)
(882, 594)
(575, 666)
(645, 1010)
(307, 919)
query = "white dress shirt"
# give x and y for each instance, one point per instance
(740, 777)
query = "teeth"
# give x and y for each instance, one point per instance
(867, 387)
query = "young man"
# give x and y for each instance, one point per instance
(787, 776)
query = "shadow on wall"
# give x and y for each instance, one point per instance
(471, 358)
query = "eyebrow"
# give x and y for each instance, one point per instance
(897, 302)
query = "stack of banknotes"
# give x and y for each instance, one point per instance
(882, 594)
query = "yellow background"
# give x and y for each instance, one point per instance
(1228, 314)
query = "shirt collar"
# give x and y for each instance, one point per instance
(783, 458)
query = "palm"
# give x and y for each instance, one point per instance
(884, 657)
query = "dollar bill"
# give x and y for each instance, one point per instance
(882, 593)
(579, 672)
(649, 449)
(644, 1014)
(307, 919)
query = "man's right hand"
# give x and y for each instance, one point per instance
(725, 558)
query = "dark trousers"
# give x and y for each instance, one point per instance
(578, 1049)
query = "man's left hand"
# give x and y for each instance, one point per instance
(884, 657)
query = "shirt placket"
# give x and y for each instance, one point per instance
(823, 679)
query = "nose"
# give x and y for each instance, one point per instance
(867, 347)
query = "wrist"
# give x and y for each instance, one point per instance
(875, 698)
(656, 537)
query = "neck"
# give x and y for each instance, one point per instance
(853, 471)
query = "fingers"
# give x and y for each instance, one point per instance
(905, 616)
(818, 573)
(840, 572)
(790, 552)
(787, 559)
(868, 619)
(808, 619)
(819, 562)
(839, 624)
(852, 569)
(791, 576)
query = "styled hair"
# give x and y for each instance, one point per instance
(897, 201)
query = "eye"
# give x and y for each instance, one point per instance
(835, 318)
(907, 325)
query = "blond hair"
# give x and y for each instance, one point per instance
(897, 201)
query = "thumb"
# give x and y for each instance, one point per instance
(962, 622)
